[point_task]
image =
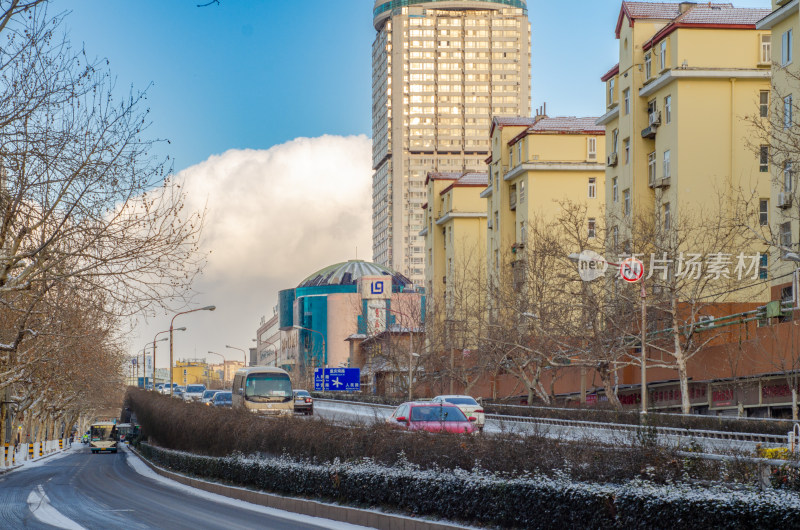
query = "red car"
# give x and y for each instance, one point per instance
(432, 417)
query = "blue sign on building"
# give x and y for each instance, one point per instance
(340, 379)
(318, 378)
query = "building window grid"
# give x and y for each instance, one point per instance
(786, 47)
(666, 165)
(592, 227)
(651, 168)
(626, 202)
(592, 188)
(763, 159)
(763, 103)
(648, 67)
(663, 55)
(787, 111)
(667, 217)
(614, 190)
(766, 48)
(763, 212)
(668, 109)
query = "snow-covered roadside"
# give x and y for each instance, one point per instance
(40, 461)
(140, 467)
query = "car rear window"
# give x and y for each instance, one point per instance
(437, 413)
(302, 393)
(195, 388)
(461, 400)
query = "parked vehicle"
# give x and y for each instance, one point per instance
(303, 402)
(103, 437)
(431, 417)
(263, 389)
(165, 388)
(159, 386)
(194, 392)
(178, 392)
(222, 399)
(207, 396)
(468, 406)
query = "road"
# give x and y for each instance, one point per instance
(611, 434)
(82, 490)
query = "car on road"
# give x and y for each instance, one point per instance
(207, 396)
(194, 392)
(303, 402)
(178, 391)
(468, 406)
(431, 417)
(222, 399)
(165, 388)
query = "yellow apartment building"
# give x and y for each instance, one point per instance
(784, 24)
(678, 137)
(536, 164)
(455, 233)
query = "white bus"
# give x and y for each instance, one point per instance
(103, 437)
(263, 389)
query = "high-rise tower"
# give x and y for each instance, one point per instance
(441, 69)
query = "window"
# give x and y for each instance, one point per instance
(592, 188)
(592, 231)
(496, 221)
(766, 49)
(614, 140)
(786, 234)
(763, 159)
(648, 70)
(667, 219)
(610, 91)
(626, 202)
(521, 191)
(614, 190)
(627, 145)
(763, 212)
(591, 147)
(667, 109)
(763, 103)
(627, 95)
(523, 236)
(615, 237)
(763, 263)
(666, 164)
(788, 184)
(663, 54)
(651, 168)
(787, 111)
(786, 47)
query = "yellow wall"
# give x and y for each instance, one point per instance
(195, 373)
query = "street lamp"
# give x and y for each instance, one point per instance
(144, 365)
(223, 365)
(154, 352)
(241, 350)
(171, 322)
(324, 351)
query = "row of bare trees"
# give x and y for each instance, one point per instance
(92, 230)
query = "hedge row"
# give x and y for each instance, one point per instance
(480, 497)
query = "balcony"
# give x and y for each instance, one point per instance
(660, 182)
(654, 121)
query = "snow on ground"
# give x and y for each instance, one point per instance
(140, 467)
(43, 511)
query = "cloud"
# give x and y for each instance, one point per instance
(273, 217)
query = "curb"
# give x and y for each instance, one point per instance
(312, 508)
(37, 459)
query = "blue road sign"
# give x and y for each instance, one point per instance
(342, 379)
(318, 378)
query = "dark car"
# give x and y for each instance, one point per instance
(303, 402)
(431, 417)
(222, 399)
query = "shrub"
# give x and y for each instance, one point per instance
(523, 502)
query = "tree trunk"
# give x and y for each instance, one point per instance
(608, 385)
(794, 402)
(686, 406)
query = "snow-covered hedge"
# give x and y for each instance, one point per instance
(528, 502)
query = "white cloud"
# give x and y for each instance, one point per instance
(273, 217)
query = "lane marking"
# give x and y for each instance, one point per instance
(40, 507)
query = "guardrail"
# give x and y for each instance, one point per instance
(502, 420)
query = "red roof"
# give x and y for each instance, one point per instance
(511, 121)
(611, 73)
(647, 10)
(468, 180)
(562, 125)
(722, 16)
(442, 175)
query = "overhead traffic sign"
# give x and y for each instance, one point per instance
(337, 379)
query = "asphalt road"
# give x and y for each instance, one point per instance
(82, 490)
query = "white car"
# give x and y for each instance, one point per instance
(194, 392)
(468, 406)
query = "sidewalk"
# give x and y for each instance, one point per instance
(21, 456)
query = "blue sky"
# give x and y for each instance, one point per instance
(253, 74)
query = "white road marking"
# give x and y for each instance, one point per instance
(40, 507)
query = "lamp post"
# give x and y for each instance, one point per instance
(223, 365)
(244, 353)
(154, 351)
(171, 329)
(144, 364)
(412, 354)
